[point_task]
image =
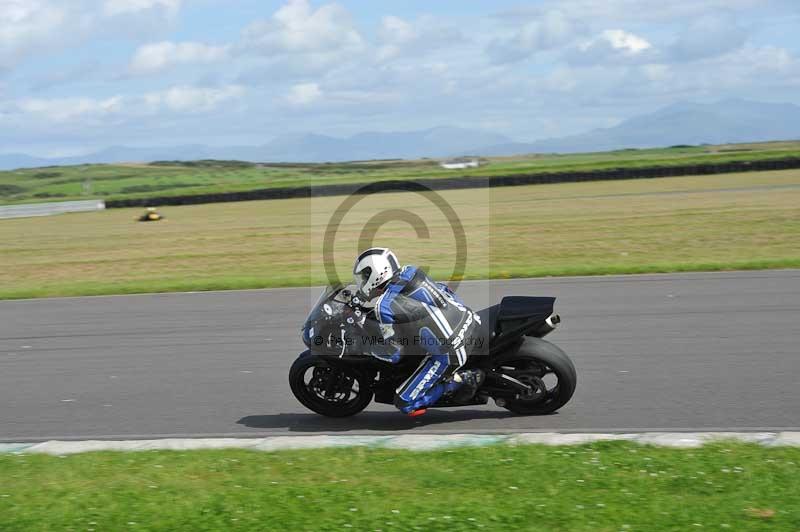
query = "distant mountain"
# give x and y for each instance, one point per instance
(727, 121)
(435, 142)
(9, 161)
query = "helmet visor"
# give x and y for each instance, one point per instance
(362, 277)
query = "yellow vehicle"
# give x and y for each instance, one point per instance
(151, 215)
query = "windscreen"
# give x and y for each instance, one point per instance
(334, 326)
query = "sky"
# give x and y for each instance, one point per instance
(80, 75)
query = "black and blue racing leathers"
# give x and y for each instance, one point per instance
(416, 311)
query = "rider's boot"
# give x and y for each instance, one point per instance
(468, 381)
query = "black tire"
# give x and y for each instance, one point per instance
(539, 355)
(310, 398)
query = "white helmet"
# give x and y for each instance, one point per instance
(373, 268)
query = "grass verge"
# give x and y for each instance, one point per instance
(702, 223)
(81, 289)
(600, 486)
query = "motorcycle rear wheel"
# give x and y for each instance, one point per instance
(538, 359)
(328, 390)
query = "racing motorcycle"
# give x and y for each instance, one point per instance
(524, 373)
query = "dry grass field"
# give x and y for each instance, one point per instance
(733, 221)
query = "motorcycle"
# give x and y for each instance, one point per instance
(524, 373)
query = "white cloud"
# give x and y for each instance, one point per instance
(81, 111)
(186, 99)
(624, 41)
(303, 94)
(396, 30)
(611, 46)
(30, 27)
(25, 27)
(398, 37)
(121, 7)
(639, 11)
(749, 67)
(155, 57)
(709, 36)
(657, 72)
(297, 28)
(548, 31)
(69, 109)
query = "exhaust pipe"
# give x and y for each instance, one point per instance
(553, 320)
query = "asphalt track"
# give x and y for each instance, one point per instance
(683, 352)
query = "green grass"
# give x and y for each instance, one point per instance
(118, 181)
(719, 222)
(232, 282)
(606, 486)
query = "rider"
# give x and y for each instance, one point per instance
(411, 308)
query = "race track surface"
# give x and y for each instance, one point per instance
(706, 351)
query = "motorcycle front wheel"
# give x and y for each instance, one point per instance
(326, 389)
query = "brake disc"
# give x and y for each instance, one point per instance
(321, 386)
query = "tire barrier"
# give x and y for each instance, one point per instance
(460, 182)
